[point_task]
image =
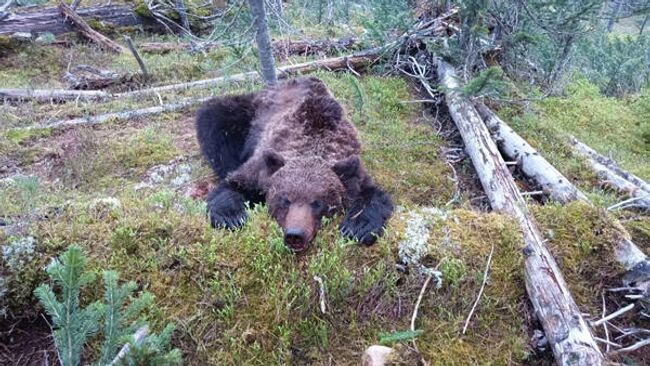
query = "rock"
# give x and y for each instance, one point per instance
(22, 36)
(376, 355)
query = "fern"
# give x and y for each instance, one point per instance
(73, 324)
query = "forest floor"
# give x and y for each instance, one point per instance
(130, 194)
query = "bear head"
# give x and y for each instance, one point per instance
(301, 191)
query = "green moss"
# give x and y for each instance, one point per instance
(19, 136)
(582, 239)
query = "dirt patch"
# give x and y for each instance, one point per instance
(27, 342)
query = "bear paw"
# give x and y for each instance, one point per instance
(226, 208)
(364, 226)
(231, 221)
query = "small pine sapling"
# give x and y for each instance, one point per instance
(117, 314)
(73, 325)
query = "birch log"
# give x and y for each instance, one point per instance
(534, 166)
(567, 332)
(609, 177)
(610, 164)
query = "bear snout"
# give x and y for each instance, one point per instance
(299, 228)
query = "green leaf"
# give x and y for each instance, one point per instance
(398, 337)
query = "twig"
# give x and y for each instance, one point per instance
(605, 323)
(417, 303)
(321, 287)
(480, 292)
(532, 193)
(75, 4)
(135, 53)
(631, 348)
(607, 342)
(627, 201)
(613, 315)
(139, 335)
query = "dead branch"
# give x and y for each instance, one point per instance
(565, 328)
(480, 292)
(87, 31)
(135, 53)
(119, 116)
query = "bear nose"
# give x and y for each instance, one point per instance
(295, 239)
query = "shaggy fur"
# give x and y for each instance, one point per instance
(292, 146)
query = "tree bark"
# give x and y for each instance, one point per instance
(610, 164)
(263, 41)
(609, 177)
(616, 8)
(534, 166)
(182, 13)
(49, 19)
(329, 64)
(87, 31)
(567, 332)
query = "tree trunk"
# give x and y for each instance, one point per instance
(616, 8)
(182, 13)
(263, 40)
(50, 19)
(567, 332)
(610, 164)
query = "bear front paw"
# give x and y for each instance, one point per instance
(226, 208)
(228, 221)
(364, 226)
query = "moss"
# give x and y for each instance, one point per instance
(142, 9)
(104, 27)
(19, 136)
(582, 239)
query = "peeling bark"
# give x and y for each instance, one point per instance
(567, 332)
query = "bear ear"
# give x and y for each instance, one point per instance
(347, 168)
(273, 161)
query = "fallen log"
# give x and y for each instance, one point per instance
(284, 71)
(567, 332)
(610, 178)
(281, 48)
(534, 166)
(50, 20)
(343, 62)
(87, 31)
(610, 164)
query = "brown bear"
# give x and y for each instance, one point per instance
(291, 146)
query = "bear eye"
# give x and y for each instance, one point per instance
(316, 205)
(284, 201)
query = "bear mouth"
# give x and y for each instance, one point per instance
(296, 243)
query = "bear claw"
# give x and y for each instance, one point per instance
(219, 221)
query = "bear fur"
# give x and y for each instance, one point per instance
(292, 147)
